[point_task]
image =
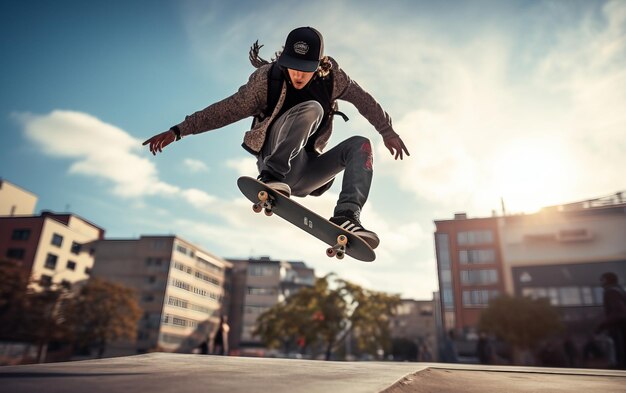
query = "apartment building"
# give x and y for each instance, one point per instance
(56, 248)
(557, 253)
(181, 288)
(469, 264)
(15, 201)
(415, 322)
(257, 285)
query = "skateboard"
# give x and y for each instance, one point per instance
(341, 241)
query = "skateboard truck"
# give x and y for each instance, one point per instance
(339, 249)
(265, 203)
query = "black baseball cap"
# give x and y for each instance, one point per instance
(303, 50)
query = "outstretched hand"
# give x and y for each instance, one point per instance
(159, 141)
(396, 147)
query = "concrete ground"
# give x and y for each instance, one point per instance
(164, 372)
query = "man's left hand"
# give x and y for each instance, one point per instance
(396, 147)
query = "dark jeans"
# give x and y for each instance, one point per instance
(284, 156)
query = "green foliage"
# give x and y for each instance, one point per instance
(322, 317)
(520, 321)
(13, 299)
(102, 312)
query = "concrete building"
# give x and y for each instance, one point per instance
(558, 253)
(257, 285)
(55, 248)
(180, 287)
(415, 322)
(15, 201)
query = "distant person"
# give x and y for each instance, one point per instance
(204, 347)
(219, 341)
(614, 322)
(449, 353)
(570, 350)
(293, 100)
(424, 353)
(484, 350)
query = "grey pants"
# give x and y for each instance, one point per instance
(284, 156)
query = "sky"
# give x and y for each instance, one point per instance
(518, 103)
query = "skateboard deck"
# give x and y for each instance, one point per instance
(341, 241)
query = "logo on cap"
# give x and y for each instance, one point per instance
(301, 47)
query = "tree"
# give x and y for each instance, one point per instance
(29, 313)
(520, 321)
(102, 312)
(321, 316)
(13, 299)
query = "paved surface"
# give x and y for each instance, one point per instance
(161, 372)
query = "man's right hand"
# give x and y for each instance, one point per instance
(159, 141)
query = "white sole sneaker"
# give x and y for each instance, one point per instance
(283, 188)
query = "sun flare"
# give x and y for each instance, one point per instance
(531, 174)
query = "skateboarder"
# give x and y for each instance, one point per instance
(293, 100)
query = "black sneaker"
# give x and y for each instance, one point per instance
(272, 182)
(350, 222)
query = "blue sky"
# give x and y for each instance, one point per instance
(495, 99)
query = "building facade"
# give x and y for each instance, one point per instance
(54, 248)
(15, 201)
(557, 253)
(470, 268)
(181, 288)
(415, 323)
(257, 285)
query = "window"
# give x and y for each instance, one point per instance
(448, 297)
(88, 271)
(16, 253)
(443, 250)
(470, 257)
(66, 284)
(57, 240)
(479, 297)
(181, 249)
(261, 270)
(475, 237)
(75, 248)
(21, 234)
(45, 280)
(51, 261)
(262, 291)
(479, 277)
(570, 296)
(587, 295)
(71, 265)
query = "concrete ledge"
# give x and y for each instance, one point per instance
(180, 373)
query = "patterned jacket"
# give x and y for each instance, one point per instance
(251, 100)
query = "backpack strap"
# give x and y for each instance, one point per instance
(274, 86)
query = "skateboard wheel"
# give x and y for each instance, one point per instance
(340, 255)
(268, 212)
(257, 208)
(262, 196)
(342, 240)
(330, 252)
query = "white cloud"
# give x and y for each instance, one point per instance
(195, 166)
(101, 150)
(98, 149)
(243, 166)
